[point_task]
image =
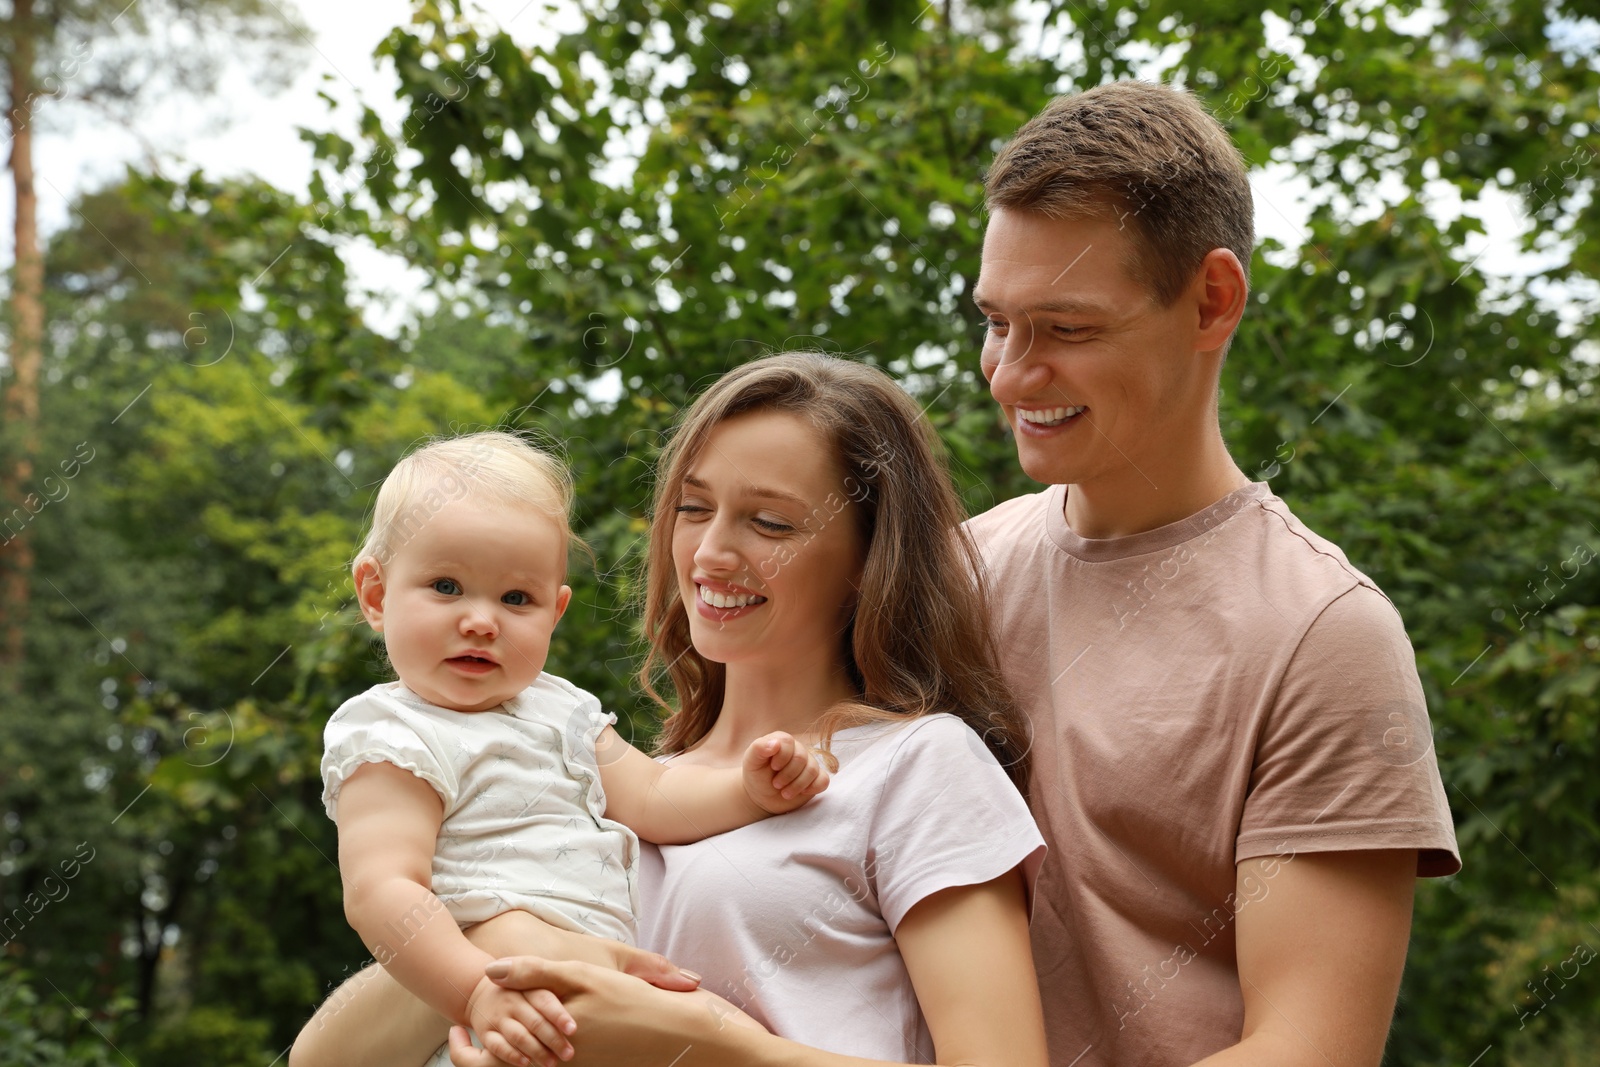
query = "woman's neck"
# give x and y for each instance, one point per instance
(760, 698)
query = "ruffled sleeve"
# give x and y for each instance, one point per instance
(377, 728)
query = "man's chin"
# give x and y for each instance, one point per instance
(1046, 468)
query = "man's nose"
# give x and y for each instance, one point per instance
(1010, 365)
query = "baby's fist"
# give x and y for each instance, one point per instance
(780, 773)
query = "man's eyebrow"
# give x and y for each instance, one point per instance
(751, 490)
(1062, 306)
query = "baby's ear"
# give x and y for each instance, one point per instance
(368, 578)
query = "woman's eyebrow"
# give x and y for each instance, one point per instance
(747, 489)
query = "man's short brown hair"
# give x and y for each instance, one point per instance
(1147, 155)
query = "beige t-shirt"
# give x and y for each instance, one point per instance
(1223, 688)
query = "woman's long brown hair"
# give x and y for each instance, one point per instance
(919, 641)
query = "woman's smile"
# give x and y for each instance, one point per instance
(723, 601)
(764, 538)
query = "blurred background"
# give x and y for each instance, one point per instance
(259, 250)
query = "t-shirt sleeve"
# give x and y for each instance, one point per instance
(1345, 759)
(367, 729)
(947, 816)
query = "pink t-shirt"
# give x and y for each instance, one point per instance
(792, 919)
(1224, 688)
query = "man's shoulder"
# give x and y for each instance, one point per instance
(1295, 558)
(1010, 520)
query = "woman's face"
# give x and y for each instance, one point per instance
(765, 543)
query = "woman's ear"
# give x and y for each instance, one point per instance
(368, 578)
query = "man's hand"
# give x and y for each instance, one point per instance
(521, 1028)
(780, 773)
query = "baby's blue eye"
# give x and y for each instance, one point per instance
(446, 586)
(517, 598)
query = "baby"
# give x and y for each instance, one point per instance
(479, 783)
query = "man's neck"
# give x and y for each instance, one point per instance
(1134, 500)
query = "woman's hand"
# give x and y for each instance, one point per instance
(516, 933)
(621, 1019)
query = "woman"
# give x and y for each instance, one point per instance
(807, 573)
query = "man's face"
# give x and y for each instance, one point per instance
(1099, 382)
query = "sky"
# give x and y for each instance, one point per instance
(244, 131)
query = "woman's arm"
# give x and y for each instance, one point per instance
(966, 949)
(674, 805)
(373, 1021)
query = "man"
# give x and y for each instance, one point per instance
(1232, 757)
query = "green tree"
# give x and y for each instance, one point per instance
(662, 192)
(114, 57)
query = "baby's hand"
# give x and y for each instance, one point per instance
(520, 1028)
(780, 773)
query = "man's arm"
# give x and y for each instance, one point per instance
(1321, 953)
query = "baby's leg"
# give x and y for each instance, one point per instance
(518, 933)
(370, 1020)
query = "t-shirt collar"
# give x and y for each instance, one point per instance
(1103, 550)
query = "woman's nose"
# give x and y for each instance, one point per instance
(716, 552)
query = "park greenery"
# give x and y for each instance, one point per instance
(666, 190)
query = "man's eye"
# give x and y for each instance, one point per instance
(446, 586)
(993, 328)
(1072, 331)
(517, 598)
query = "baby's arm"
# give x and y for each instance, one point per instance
(673, 805)
(388, 826)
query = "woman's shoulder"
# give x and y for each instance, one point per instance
(937, 735)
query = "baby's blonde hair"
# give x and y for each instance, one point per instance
(495, 467)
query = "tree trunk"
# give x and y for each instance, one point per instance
(21, 399)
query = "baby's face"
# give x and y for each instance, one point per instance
(467, 605)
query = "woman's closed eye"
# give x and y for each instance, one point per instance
(695, 511)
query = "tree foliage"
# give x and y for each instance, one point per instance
(612, 221)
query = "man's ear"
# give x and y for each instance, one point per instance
(1223, 293)
(368, 577)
